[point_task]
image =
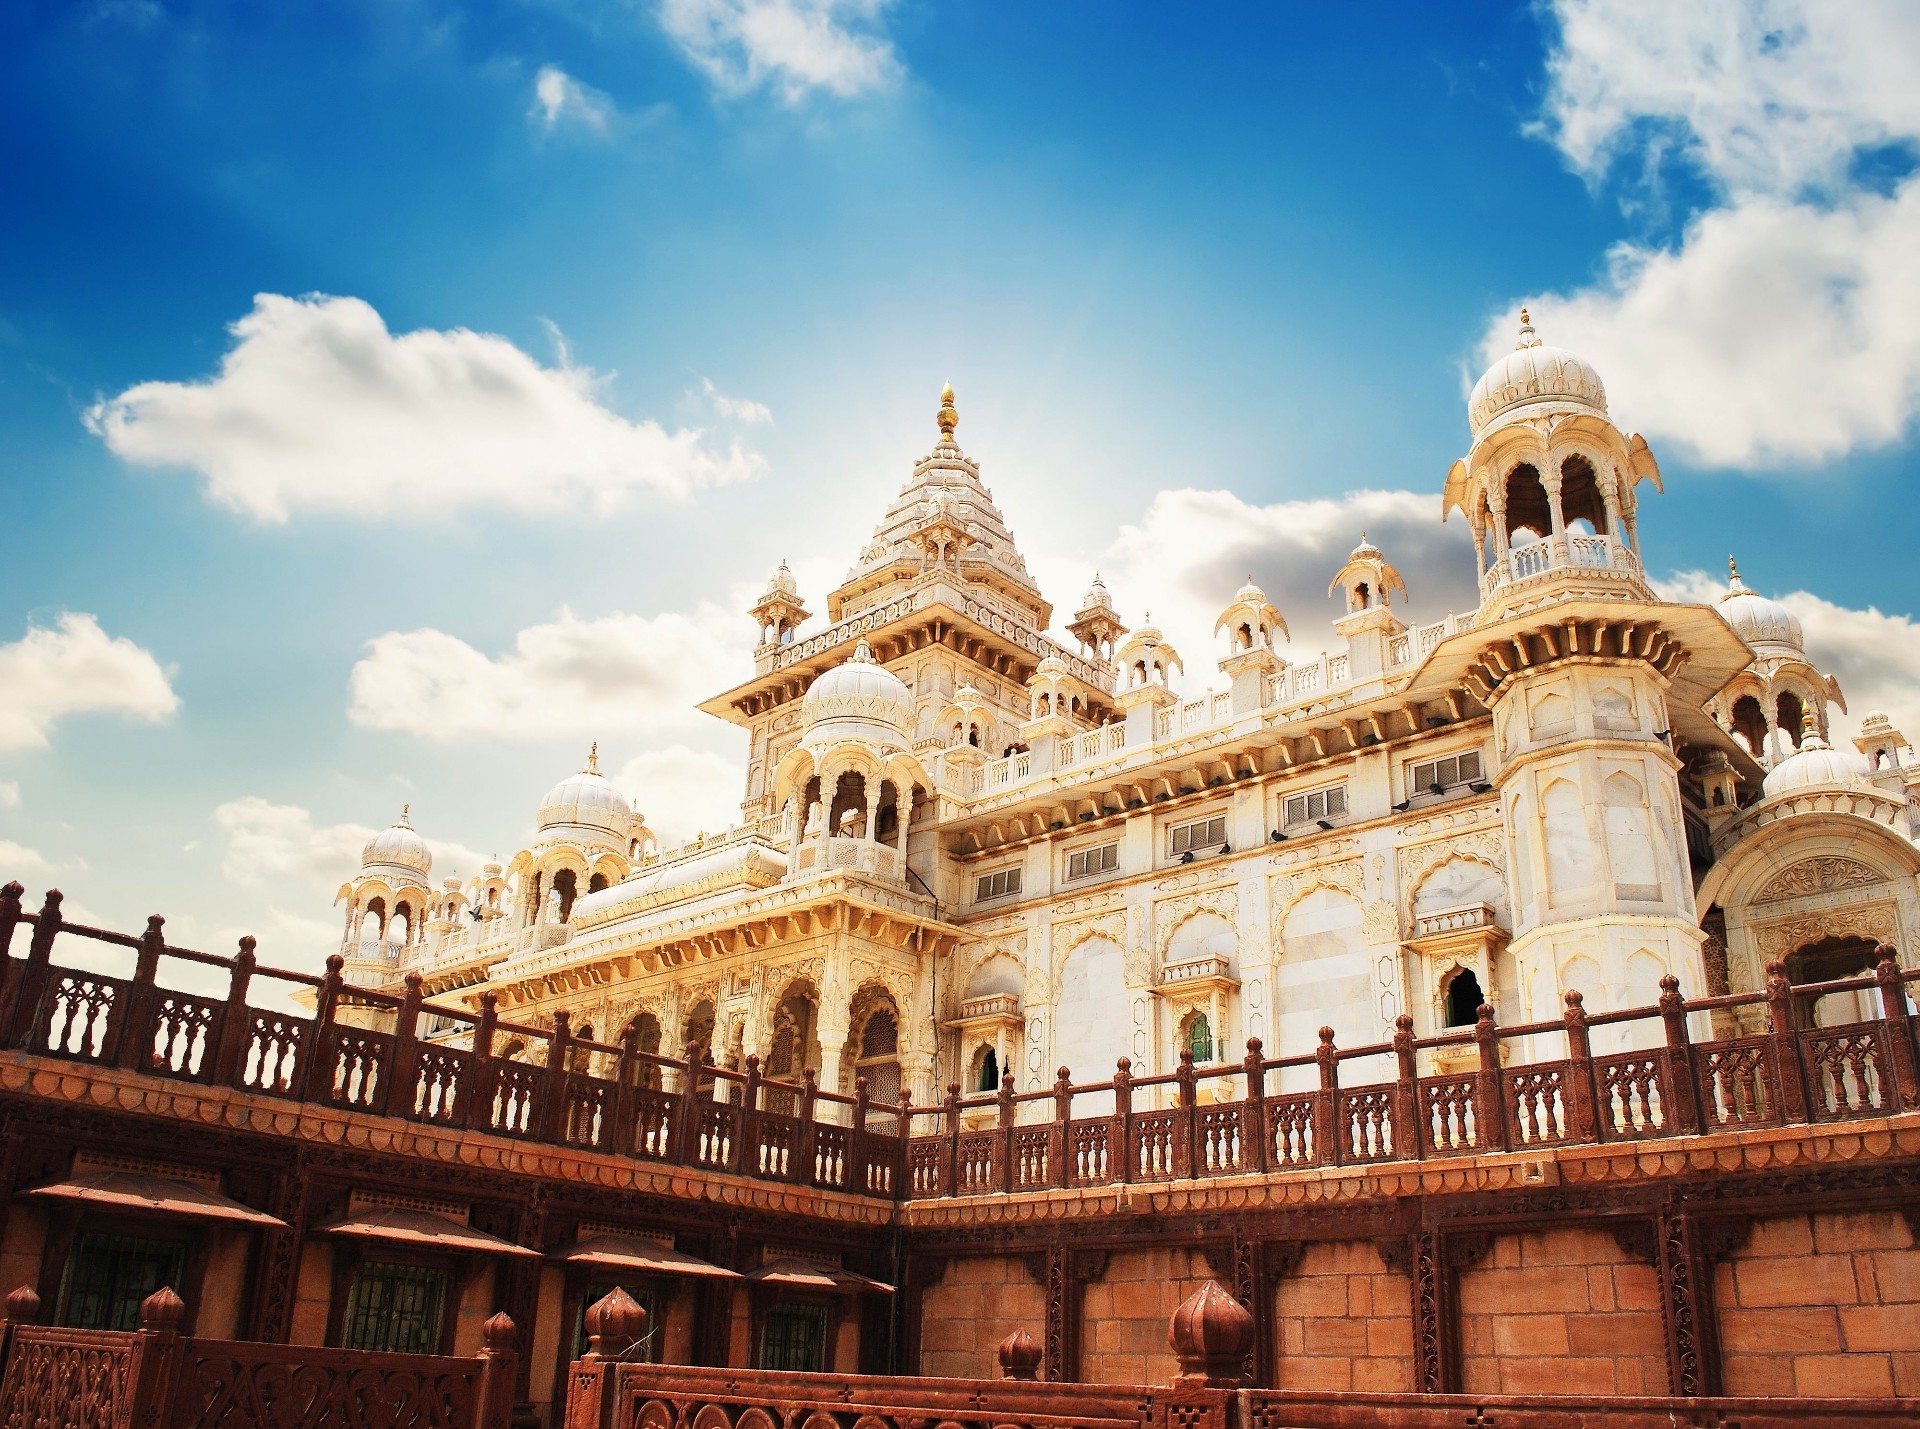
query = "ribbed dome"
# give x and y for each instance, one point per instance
(781, 582)
(1816, 763)
(397, 847)
(858, 699)
(1756, 619)
(587, 800)
(1098, 597)
(1534, 373)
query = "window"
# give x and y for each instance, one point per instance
(1328, 803)
(1197, 1037)
(1001, 883)
(794, 1337)
(1463, 999)
(1454, 769)
(107, 1277)
(648, 1350)
(1206, 833)
(395, 1309)
(989, 1079)
(1086, 862)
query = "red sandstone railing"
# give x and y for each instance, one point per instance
(1210, 1335)
(1161, 1129)
(362, 1050)
(157, 1378)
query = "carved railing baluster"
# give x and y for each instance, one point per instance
(1187, 1133)
(1062, 1148)
(1255, 1145)
(1787, 1066)
(1896, 1033)
(401, 1095)
(135, 1016)
(1683, 1077)
(950, 1155)
(236, 1022)
(1003, 1171)
(317, 1082)
(1583, 1123)
(36, 975)
(550, 1120)
(480, 1100)
(1121, 1135)
(1489, 1101)
(1407, 1137)
(1326, 1106)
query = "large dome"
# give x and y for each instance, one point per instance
(858, 699)
(1757, 620)
(587, 800)
(1816, 763)
(397, 848)
(1534, 374)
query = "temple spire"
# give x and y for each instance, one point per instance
(948, 417)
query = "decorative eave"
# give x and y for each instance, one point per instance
(837, 902)
(1456, 932)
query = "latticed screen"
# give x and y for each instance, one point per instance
(395, 1309)
(1445, 773)
(647, 1351)
(1329, 803)
(109, 1275)
(794, 1337)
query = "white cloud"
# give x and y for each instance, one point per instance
(561, 100)
(683, 792)
(318, 407)
(593, 678)
(1191, 550)
(75, 667)
(9, 793)
(268, 844)
(741, 409)
(1775, 329)
(19, 861)
(795, 46)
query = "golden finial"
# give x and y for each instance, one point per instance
(1524, 319)
(406, 812)
(593, 758)
(1732, 569)
(948, 418)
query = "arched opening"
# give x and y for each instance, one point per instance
(1527, 506)
(373, 923)
(1362, 595)
(1789, 714)
(1829, 960)
(1580, 499)
(596, 883)
(564, 887)
(793, 1047)
(646, 1039)
(1463, 998)
(699, 1040)
(1750, 725)
(580, 1059)
(400, 928)
(986, 1070)
(876, 1049)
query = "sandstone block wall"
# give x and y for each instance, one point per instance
(975, 1305)
(1123, 1332)
(1561, 1312)
(1343, 1320)
(1822, 1304)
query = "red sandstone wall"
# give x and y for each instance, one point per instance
(973, 1307)
(1342, 1320)
(1561, 1312)
(1123, 1330)
(1828, 1304)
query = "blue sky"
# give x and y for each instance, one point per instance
(563, 321)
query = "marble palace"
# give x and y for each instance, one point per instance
(969, 849)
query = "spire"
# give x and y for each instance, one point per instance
(948, 418)
(406, 810)
(1528, 337)
(1735, 586)
(593, 759)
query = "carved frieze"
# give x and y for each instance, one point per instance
(1817, 875)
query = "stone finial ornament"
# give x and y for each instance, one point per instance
(948, 417)
(23, 1308)
(1020, 1356)
(163, 1310)
(615, 1323)
(1211, 1334)
(499, 1333)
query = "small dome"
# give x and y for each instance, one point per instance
(859, 699)
(1249, 594)
(1816, 763)
(1098, 597)
(1756, 619)
(587, 800)
(1365, 551)
(397, 847)
(781, 582)
(1533, 373)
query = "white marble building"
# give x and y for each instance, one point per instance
(967, 848)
